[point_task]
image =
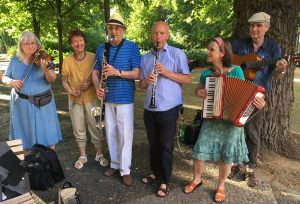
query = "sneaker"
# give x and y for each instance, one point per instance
(250, 179)
(127, 180)
(110, 172)
(235, 170)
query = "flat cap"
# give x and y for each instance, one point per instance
(260, 17)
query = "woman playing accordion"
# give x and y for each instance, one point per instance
(219, 140)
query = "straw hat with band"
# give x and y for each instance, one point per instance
(116, 19)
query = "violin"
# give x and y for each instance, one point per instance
(41, 54)
(252, 63)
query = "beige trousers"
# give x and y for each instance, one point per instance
(81, 120)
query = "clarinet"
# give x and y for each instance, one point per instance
(97, 112)
(153, 91)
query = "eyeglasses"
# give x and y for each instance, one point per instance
(29, 44)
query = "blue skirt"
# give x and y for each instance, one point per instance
(220, 140)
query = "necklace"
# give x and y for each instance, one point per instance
(80, 58)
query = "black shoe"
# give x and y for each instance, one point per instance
(250, 179)
(235, 170)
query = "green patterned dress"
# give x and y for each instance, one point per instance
(220, 140)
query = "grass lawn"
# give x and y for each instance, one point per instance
(295, 115)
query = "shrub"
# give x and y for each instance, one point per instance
(197, 58)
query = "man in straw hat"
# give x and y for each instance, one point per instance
(266, 48)
(122, 68)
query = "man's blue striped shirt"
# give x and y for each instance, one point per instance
(120, 90)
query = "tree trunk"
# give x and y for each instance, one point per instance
(36, 26)
(59, 30)
(284, 26)
(106, 12)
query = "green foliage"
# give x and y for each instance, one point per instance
(197, 54)
(192, 22)
(12, 51)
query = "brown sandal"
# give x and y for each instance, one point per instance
(189, 188)
(220, 195)
(164, 190)
(149, 178)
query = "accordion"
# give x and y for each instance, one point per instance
(230, 99)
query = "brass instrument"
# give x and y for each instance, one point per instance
(97, 112)
(153, 91)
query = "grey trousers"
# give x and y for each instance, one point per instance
(253, 137)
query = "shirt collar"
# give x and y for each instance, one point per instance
(165, 48)
(262, 46)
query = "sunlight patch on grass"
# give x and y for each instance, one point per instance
(4, 97)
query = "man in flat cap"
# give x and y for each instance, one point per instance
(121, 69)
(266, 48)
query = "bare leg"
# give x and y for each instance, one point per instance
(82, 151)
(224, 171)
(198, 169)
(99, 150)
(52, 147)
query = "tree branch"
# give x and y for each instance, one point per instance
(72, 7)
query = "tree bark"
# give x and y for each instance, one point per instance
(59, 30)
(106, 12)
(36, 26)
(284, 26)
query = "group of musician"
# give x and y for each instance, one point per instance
(164, 68)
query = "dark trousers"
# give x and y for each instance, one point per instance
(161, 129)
(253, 137)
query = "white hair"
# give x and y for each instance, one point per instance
(25, 36)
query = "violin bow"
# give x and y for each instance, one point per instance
(88, 76)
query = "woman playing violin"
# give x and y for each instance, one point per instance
(33, 115)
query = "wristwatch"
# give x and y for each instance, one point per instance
(120, 73)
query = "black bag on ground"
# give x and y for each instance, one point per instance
(68, 194)
(43, 167)
(191, 132)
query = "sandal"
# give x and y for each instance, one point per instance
(189, 188)
(164, 190)
(220, 195)
(149, 178)
(80, 162)
(101, 159)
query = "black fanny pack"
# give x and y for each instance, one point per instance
(39, 99)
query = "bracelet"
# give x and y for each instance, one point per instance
(120, 73)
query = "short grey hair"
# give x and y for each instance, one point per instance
(160, 21)
(25, 36)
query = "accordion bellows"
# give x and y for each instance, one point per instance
(230, 99)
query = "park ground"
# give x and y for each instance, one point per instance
(279, 177)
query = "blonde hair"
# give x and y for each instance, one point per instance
(25, 36)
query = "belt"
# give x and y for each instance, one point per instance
(24, 96)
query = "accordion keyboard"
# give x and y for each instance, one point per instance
(208, 105)
(212, 104)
